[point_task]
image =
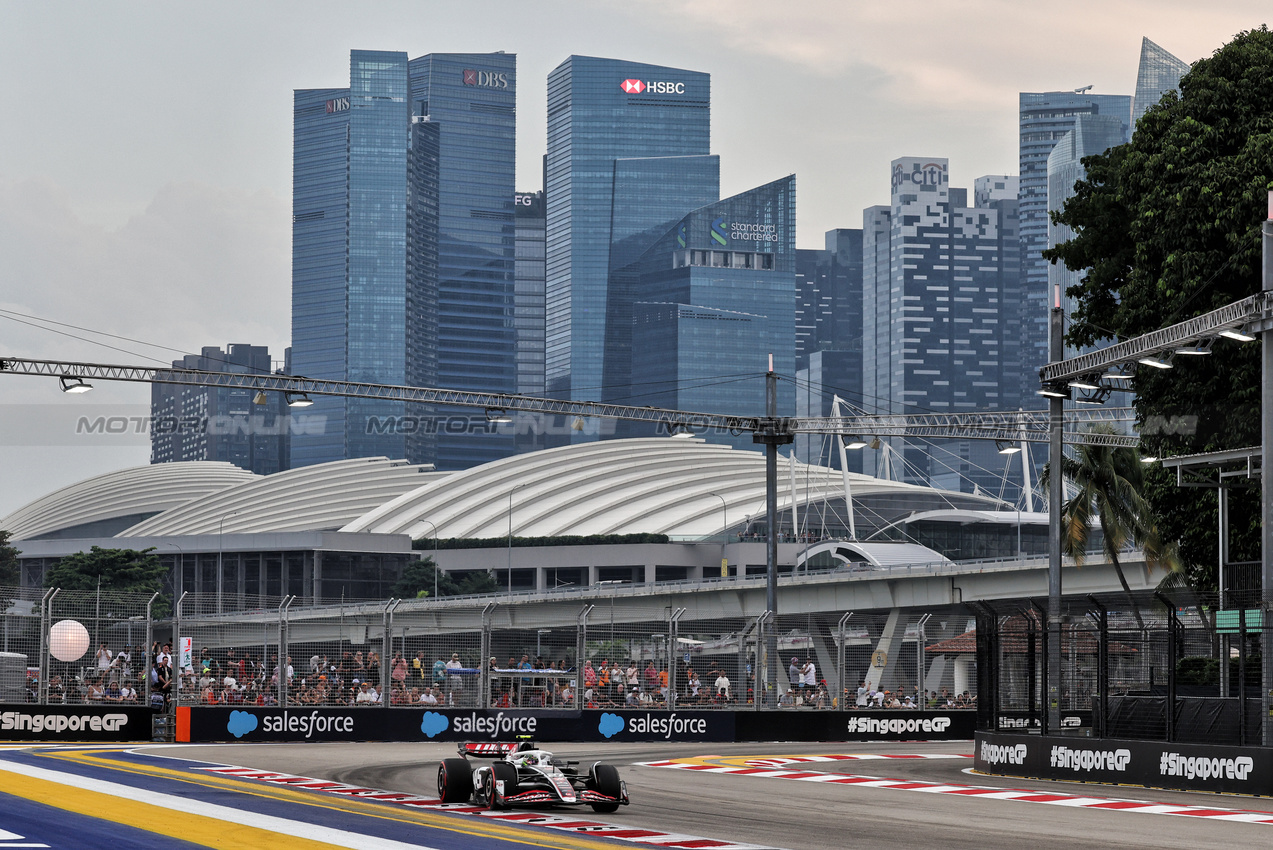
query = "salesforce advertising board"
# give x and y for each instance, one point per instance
(405, 724)
(1188, 767)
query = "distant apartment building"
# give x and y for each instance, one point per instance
(232, 424)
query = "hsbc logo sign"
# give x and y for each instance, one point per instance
(651, 86)
(485, 79)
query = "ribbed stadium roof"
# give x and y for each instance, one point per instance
(138, 490)
(656, 485)
(311, 498)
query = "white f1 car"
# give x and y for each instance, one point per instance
(522, 775)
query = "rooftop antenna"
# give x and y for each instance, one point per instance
(1083, 90)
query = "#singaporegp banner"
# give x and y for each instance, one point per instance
(196, 724)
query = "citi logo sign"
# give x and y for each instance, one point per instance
(651, 86)
(486, 79)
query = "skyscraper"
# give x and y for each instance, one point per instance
(627, 154)
(1158, 73)
(402, 248)
(711, 298)
(828, 334)
(528, 207)
(1044, 118)
(934, 312)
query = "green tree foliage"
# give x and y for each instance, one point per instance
(8, 561)
(1110, 485)
(418, 577)
(1168, 227)
(558, 540)
(118, 570)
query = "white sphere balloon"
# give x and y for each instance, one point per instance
(68, 640)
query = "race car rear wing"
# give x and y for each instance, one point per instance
(488, 750)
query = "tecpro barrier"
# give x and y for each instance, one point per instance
(1155, 764)
(29, 722)
(197, 724)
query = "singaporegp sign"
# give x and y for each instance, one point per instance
(74, 723)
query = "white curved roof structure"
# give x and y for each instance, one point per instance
(873, 553)
(100, 504)
(312, 498)
(656, 485)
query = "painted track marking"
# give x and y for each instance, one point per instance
(772, 770)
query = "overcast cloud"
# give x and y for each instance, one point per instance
(145, 148)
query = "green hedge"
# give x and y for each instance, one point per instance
(427, 543)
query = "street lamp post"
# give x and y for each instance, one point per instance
(435, 557)
(724, 536)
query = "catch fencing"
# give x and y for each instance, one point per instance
(481, 653)
(1145, 666)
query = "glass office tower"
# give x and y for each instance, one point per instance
(349, 238)
(1158, 73)
(472, 98)
(713, 297)
(611, 123)
(1044, 118)
(402, 250)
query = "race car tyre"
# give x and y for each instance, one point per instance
(455, 781)
(508, 774)
(604, 779)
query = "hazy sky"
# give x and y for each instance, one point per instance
(145, 148)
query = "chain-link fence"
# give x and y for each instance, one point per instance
(597, 656)
(77, 647)
(1143, 666)
(485, 655)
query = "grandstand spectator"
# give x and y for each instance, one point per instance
(420, 667)
(104, 658)
(651, 677)
(632, 676)
(398, 671)
(428, 697)
(589, 675)
(439, 674)
(794, 675)
(692, 685)
(454, 680)
(373, 665)
(721, 687)
(809, 676)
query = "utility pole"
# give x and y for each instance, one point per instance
(1266, 493)
(772, 433)
(1056, 496)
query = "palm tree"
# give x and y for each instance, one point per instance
(1110, 482)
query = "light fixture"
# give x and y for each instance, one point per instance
(498, 415)
(74, 385)
(855, 443)
(1086, 382)
(1197, 349)
(1054, 391)
(577, 424)
(1156, 362)
(1007, 447)
(1116, 373)
(1236, 334)
(260, 398)
(1097, 396)
(297, 399)
(1149, 459)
